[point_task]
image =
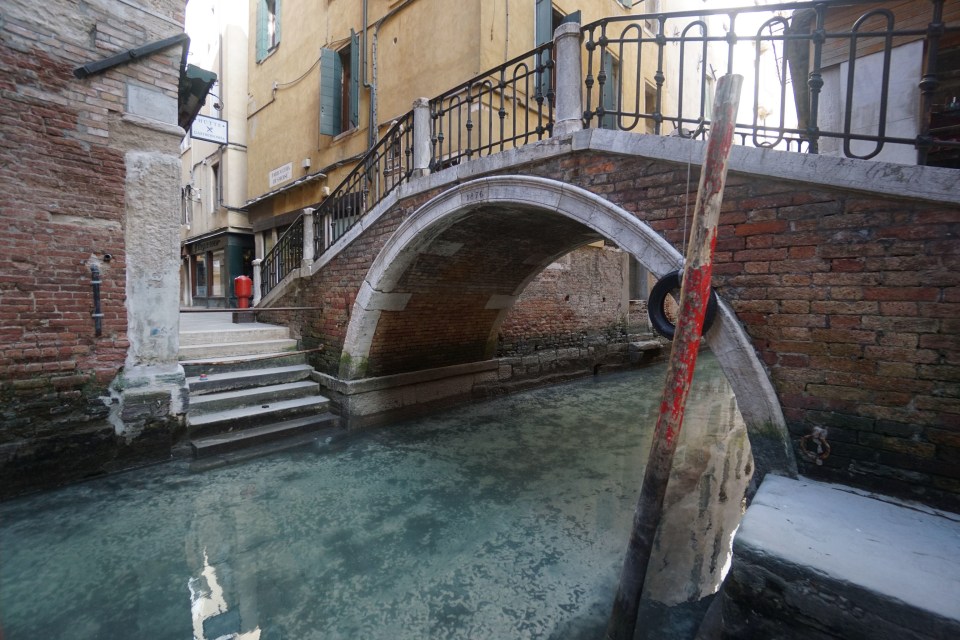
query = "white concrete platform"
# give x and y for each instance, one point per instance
(845, 562)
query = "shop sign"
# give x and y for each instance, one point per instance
(209, 129)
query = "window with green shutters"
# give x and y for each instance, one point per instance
(611, 90)
(340, 88)
(268, 27)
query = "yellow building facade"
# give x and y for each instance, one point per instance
(320, 71)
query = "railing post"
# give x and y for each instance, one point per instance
(566, 46)
(421, 137)
(257, 281)
(307, 260)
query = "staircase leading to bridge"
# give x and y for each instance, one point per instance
(249, 386)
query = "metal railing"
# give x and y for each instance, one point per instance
(787, 54)
(506, 107)
(381, 170)
(385, 167)
(284, 257)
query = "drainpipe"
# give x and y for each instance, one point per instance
(372, 84)
(97, 312)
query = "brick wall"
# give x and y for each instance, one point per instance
(576, 301)
(62, 202)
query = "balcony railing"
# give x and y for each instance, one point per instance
(786, 53)
(284, 257)
(809, 77)
(385, 167)
(506, 107)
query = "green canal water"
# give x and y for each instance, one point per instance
(501, 520)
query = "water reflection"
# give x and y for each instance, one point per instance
(506, 519)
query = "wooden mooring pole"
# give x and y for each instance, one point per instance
(694, 295)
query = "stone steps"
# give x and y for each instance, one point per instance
(226, 349)
(264, 396)
(232, 441)
(239, 334)
(208, 383)
(250, 391)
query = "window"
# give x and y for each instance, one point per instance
(651, 7)
(611, 90)
(637, 280)
(649, 107)
(200, 276)
(547, 21)
(268, 27)
(217, 273)
(216, 190)
(340, 88)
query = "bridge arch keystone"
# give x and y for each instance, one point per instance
(756, 397)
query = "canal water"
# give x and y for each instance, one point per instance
(500, 520)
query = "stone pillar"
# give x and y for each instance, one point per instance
(308, 256)
(257, 280)
(421, 137)
(569, 113)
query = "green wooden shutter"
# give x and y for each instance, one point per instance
(331, 81)
(609, 92)
(544, 33)
(354, 78)
(276, 22)
(261, 30)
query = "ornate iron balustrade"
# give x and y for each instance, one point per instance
(506, 107)
(284, 257)
(381, 170)
(790, 47)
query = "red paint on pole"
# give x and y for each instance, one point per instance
(694, 296)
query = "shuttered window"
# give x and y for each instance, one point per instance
(268, 27)
(340, 88)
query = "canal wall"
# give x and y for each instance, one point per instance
(382, 400)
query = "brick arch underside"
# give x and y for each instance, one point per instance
(440, 288)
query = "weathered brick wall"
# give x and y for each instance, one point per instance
(62, 202)
(576, 301)
(852, 301)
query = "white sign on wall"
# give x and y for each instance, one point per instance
(209, 129)
(281, 174)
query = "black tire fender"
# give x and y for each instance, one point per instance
(658, 296)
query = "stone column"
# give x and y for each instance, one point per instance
(421, 137)
(569, 113)
(307, 262)
(257, 280)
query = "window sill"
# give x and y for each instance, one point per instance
(270, 52)
(343, 135)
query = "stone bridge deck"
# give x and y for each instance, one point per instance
(838, 280)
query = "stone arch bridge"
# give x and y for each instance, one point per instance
(839, 283)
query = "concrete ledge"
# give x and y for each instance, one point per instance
(366, 385)
(814, 560)
(370, 402)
